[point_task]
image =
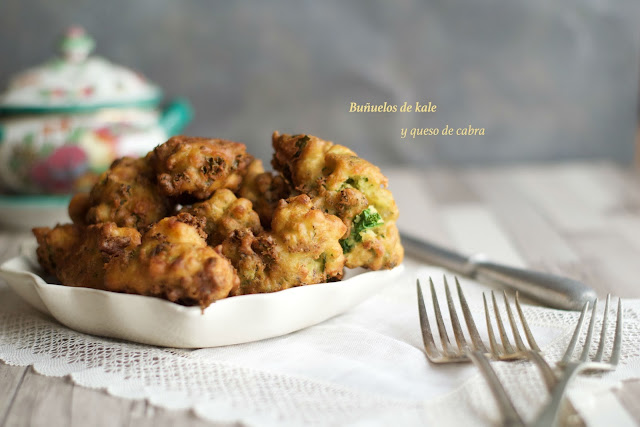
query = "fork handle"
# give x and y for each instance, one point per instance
(549, 415)
(551, 290)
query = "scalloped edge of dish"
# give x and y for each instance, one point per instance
(154, 321)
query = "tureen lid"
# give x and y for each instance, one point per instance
(76, 81)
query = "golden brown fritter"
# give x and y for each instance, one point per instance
(300, 159)
(376, 248)
(78, 208)
(224, 213)
(125, 194)
(325, 209)
(191, 168)
(174, 262)
(343, 184)
(265, 190)
(302, 248)
(77, 255)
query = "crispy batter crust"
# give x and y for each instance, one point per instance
(191, 168)
(302, 248)
(174, 262)
(264, 190)
(223, 213)
(125, 194)
(78, 208)
(343, 184)
(77, 255)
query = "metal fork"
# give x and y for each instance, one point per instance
(448, 353)
(451, 355)
(549, 414)
(520, 351)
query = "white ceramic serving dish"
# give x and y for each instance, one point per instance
(158, 322)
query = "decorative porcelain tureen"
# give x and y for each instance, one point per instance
(64, 122)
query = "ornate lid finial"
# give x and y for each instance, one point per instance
(76, 45)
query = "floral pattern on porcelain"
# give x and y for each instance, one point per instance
(65, 154)
(75, 79)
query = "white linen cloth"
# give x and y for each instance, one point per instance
(364, 367)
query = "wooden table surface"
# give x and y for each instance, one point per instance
(577, 219)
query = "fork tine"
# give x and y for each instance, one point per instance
(576, 334)
(525, 325)
(508, 411)
(603, 332)
(495, 352)
(427, 336)
(546, 371)
(455, 323)
(617, 339)
(548, 375)
(444, 338)
(514, 328)
(508, 349)
(468, 318)
(587, 343)
(549, 415)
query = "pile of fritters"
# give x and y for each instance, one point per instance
(198, 220)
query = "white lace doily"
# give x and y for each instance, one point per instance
(366, 366)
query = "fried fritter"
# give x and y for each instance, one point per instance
(265, 190)
(174, 262)
(377, 247)
(325, 209)
(224, 213)
(191, 168)
(77, 255)
(125, 194)
(78, 208)
(343, 184)
(302, 248)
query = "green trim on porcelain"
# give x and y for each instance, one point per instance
(41, 109)
(35, 200)
(176, 116)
